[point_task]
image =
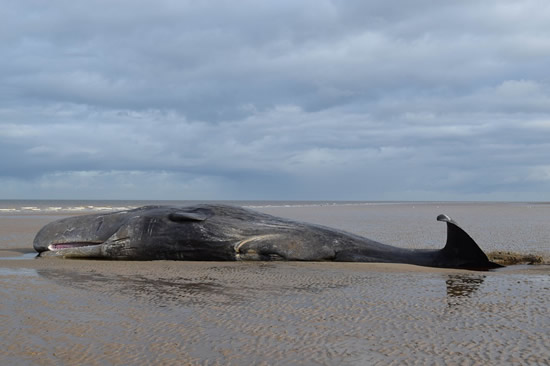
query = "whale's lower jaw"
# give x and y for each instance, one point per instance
(74, 250)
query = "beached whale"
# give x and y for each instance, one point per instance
(222, 232)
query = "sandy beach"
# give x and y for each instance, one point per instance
(70, 312)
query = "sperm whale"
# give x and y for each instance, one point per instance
(222, 232)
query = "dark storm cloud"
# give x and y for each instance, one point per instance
(312, 99)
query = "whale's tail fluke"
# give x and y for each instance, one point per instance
(461, 251)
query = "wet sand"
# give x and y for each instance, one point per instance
(56, 311)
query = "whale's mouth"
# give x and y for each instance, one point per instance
(78, 244)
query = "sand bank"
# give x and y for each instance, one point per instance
(57, 311)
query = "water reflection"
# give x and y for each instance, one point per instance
(24, 256)
(161, 292)
(17, 272)
(461, 287)
(236, 283)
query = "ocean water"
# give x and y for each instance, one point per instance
(509, 226)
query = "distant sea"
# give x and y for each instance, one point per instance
(85, 206)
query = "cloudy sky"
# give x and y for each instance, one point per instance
(312, 100)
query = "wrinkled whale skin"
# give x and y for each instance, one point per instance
(227, 233)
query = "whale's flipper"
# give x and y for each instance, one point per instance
(269, 247)
(461, 251)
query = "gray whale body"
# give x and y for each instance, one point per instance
(228, 233)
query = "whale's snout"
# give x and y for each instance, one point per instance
(77, 232)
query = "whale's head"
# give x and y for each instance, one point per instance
(150, 232)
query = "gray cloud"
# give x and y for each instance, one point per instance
(277, 100)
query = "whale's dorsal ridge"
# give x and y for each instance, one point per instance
(183, 216)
